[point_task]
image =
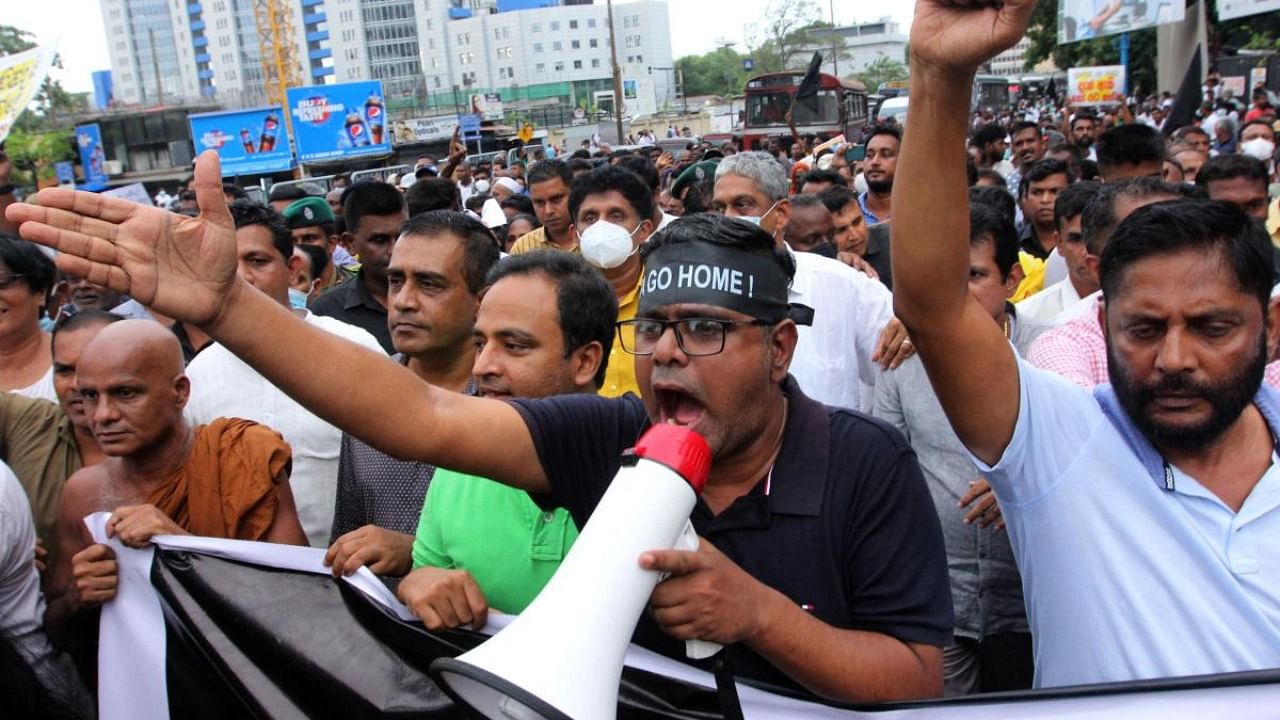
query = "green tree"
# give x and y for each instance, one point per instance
(882, 69)
(718, 72)
(1043, 36)
(36, 152)
(784, 38)
(36, 142)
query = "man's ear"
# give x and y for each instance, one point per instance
(294, 263)
(1273, 328)
(1016, 276)
(585, 362)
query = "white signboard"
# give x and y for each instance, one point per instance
(417, 130)
(136, 192)
(1232, 9)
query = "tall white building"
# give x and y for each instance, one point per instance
(859, 45)
(427, 53)
(1010, 62)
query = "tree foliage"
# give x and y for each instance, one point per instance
(784, 37)
(718, 72)
(882, 69)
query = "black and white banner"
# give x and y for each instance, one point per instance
(205, 628)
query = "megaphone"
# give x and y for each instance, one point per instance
(527, 671)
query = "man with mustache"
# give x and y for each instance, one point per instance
(545, 326)
(436, 272)
(1143, 514)
(821, 566)
(879, 169)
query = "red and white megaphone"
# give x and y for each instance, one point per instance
(528, 671)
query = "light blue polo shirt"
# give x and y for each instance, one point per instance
(1127, 574)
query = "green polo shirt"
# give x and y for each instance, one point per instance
(497, 533)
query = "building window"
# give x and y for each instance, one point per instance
(555, 25)
(537, 47)
(577, 64)
(559, 67)
(462, 58)
(576, 45)
(595, 62)
(630, 42)
(556, 46)
(591, 22)
(595, 42)
(536, 27)
(540, 68)
(573, 24)
(626, 21)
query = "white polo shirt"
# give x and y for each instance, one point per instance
(1129, 573)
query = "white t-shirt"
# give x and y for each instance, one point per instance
(222, 385)
(41, 389)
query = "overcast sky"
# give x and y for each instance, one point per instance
(696, 27)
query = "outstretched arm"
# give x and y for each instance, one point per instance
(186, 268)
(970, 363)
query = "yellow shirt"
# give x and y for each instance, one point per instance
(1033, 277)
(537, 240)
(1273, 222)
(620, 376)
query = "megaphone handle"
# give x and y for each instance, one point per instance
(695, 649)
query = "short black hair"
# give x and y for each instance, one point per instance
(1073, 200)
(987, 134)
(1083, 115)
(699, 194)
(28, 260)
(988, 224)
(318, 258)
(433, 193)
(997, 180)
(246, 213)
(1099, 219)
(478, 248)
(235, 191)
(1041, 170)
(723, 231)
(1133, 144)
(1023, 125)
(811, 200)
(1204, 225)
(1230, 167)
(585, 302)
(522, 204)
(551, 169)
(369, 198)
(997, 198)
(837, 198)
(286, 192)
(1181, 133)
(832, 177)
(642, 167)
(1258, 121)
(611, 177)
(82, 319)
(884, 130)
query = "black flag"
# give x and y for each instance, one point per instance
(1187, 101)
(808, 92)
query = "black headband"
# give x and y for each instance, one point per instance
(708, 274)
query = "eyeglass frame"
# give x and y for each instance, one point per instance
(674, 326)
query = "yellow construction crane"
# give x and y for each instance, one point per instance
(276, 45)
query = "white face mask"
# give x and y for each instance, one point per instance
(606, 245)
(1260, 148)
(757, 219)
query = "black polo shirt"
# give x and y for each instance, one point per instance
(1030, 243)
(845, 524)
(350, 302)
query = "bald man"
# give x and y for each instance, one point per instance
(161, 476)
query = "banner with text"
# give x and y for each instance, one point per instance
(1085, 19)
(421, 130)
(20, 78)
(1100, 85)
(93, 157)
(250, 141)
(332, 122)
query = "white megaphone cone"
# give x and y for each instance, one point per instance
(532, 669)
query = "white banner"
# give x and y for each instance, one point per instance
(1232, 9)
(20, 78)
(418, 130)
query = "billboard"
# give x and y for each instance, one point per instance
(1085, 19)
(421, 130)
(332, 122)
(1232, 9)
(249, 141)
(92, 157)
(1099, 85)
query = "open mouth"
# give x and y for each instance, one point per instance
(678, 407)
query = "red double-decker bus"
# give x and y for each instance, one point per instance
(841, 109)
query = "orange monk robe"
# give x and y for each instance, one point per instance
(227, 488)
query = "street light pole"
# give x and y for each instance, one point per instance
(617, 74)
(835, 55)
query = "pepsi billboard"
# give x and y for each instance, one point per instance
(333, 122)
(250, 141)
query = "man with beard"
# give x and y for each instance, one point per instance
(1084, 130)
(860, 614)
(878, 169)
(1143, 515)
(991, 143)
(544, 327)
(1028, 147)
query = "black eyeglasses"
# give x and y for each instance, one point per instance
(8, 280)
(695, 336)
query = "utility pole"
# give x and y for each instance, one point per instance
(617, 75)
(155, 66)
(835, 54)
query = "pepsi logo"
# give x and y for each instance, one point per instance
(373, 111)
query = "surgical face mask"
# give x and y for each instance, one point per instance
(757, 219)
(1260, 148)
(606, 245)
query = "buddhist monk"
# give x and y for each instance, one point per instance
(227, 479)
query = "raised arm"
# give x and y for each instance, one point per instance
(970, 363)
(186, 268)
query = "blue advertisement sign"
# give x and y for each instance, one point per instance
(469, 125)
(250, 141)
(332, 122)
(66, 172)
(92, 157)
